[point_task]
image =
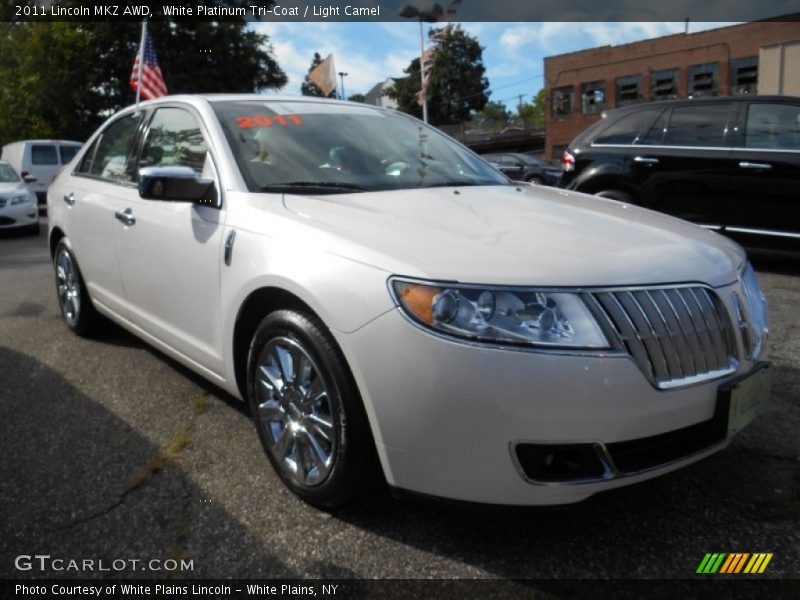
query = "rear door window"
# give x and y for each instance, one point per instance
(68, 153)
(44, 154)
(628, 129)
(773, 126)
(700, 125)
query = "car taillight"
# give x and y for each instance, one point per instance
(567, 162)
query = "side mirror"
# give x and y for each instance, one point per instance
(179, 184)
(29, 179)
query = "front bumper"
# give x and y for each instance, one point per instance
(19, 215)
(448, 416)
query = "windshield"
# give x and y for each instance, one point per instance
(7, 174)
(305, 147)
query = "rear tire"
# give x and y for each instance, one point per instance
(307, 410)
(73, 297)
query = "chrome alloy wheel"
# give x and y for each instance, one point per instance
(297, 413)
(69, 287)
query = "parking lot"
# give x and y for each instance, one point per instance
(112, 450)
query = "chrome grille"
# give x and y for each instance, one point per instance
(677, 336)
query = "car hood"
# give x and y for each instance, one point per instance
(526, 235)
(13, 188)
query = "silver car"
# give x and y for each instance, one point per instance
(391, 307)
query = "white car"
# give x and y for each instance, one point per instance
(17, 203)
(40, 160)
(390, 305)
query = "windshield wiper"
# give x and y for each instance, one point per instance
(313, 187)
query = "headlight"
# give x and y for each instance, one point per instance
(501, 315)
(756, 333)
(24, 199)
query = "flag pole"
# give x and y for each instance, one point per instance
(141, 60)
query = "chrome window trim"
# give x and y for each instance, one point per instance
(763, 232)
(716, 148)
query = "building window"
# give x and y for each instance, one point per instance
(593, 97)
(744, 76)
(562, 101)
(664, 84)
(629, 90)
(703, 80)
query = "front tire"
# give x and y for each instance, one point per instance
(73, 298)
(307, 411)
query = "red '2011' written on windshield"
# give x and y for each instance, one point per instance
(248, 122)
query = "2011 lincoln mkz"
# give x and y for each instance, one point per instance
(391, 306)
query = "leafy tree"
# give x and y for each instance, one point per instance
(62, 79)
(357, 98)
(493, 114)
(308, 87)
(457, 84)
(533, 112)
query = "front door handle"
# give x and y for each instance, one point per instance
(126, 217)
(751, 165)
(646, 160)
(70, 199)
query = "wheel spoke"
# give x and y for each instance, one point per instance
(322, 426)
(283, 359)
(272, 411)
(283, 445)
(321, 462)
(300, 472)
(271, 381)
(316, 390)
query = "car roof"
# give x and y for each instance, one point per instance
(45, 142)
(198, 100)
(703, 100)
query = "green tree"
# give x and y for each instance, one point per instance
(494, 114)
(457, 83)
(308, 87)
(533, 112)
(356, 98)
(62, 79)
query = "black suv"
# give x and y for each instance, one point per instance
(731, 164)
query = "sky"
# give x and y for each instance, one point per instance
(513, 52)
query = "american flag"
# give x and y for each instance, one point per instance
(152, 84)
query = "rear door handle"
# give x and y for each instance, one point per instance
(645, 160)
(70, 199)
(126, 217)
(751, 165)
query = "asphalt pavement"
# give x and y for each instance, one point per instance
(110, 450)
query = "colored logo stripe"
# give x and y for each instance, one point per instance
(724, 563)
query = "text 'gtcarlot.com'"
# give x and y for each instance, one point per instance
(45, 562)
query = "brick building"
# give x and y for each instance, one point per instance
(719, 62)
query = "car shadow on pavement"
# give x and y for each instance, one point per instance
(77, 482)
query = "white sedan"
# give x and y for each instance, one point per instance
(390, 306)
(17, 203)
